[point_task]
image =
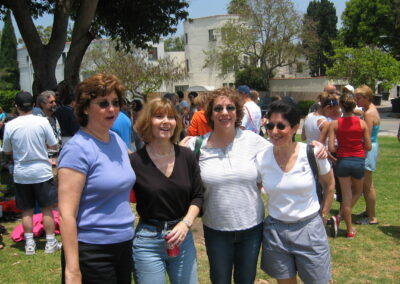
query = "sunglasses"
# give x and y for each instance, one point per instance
(106, 104)
(279, 125)
(331, 103)
(229, 108)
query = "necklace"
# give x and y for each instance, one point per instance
(103, 139)
(153, 153)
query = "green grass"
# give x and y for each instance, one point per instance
(372, 257)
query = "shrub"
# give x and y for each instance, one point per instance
(7, 99)
(305, 106)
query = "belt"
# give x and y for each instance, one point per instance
(309, 217)
(160, 225)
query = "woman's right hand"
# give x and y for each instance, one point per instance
(185, 141)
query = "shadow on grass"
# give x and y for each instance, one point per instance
(40, 244)
(392, 231)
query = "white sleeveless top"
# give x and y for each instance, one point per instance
(311, 126)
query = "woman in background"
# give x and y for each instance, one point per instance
(353, 139)
(198, 124)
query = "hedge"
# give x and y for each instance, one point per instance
(7, 98)
(305, 106)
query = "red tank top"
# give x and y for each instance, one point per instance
(350, 137)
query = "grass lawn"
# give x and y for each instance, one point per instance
(372, 257)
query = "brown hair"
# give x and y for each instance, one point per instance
(93, 87)
(254, 95)
(347, 102)
(365, 92)
(201, 100)
(151, 109)
(233, 96)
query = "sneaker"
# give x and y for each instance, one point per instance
(334, 223)
(351, 235)
(52, 247)
(30, 249)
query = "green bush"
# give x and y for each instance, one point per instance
(305, 106)
(7, 99)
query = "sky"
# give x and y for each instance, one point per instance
(203, 8)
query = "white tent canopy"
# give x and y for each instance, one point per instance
(200, 88)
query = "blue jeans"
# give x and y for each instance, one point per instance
(233, 250)
(151, 262)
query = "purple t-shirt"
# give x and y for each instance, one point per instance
(104, 215)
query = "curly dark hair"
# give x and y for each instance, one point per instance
(233, 96)
(93, 87)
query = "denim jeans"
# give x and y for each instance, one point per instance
(151, 262)
(233, 250)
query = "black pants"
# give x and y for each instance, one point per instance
(104, 264)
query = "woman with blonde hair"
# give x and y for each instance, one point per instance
(169, 196)
(372, 118)
(353, 140)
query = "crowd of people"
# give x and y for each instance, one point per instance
(206, 157)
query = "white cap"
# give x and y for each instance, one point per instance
(350, 88)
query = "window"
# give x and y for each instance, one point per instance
(153, 53)
(231, 85)
(186, 38)
(27, 59)
(187, 65)
(299, 68)
(290, 67)
(224, 85)
(211, 35)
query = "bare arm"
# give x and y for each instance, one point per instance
(367, 137)
(328, 185)
(324, 130)
(321, 150)
(179, 232)
(303, 134)
(70, 186)
(332, 131)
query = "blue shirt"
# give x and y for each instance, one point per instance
(123, 127)
(104, 215)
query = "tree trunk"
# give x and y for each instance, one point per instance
(81, 39)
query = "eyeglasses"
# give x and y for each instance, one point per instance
(106, 104)
(331, 103)
(229, 108)
(52, 102)
(279, 125)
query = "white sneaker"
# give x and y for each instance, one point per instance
(30, 249)
(52, 247)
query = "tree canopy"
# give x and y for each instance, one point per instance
(319, 29)
(262, 35)
(129, 22)
(9, 71)
(367, 65)
(174, 44)
(139, 73)
(372, 22)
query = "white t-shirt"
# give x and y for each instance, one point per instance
(232, 200)
(251, 117)
(27, 138)
(311, 126)
(292, 195)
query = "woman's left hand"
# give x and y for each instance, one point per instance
(178, 234)
(321, 150)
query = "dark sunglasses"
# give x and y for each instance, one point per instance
(229, 108)
(279, 125)
(106, 104)
(331, 103)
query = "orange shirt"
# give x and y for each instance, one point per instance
(198, 125)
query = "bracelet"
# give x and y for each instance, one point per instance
(187, 223)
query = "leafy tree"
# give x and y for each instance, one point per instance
(45, 34)
(174, 44)
(372, 22)
(235, 6)
(319, 29)
(8, 56)
(264, 32)
(367, 65)
(128, 21)
(134, 68)
(251, 76)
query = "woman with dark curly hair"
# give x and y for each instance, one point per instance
(94, 182)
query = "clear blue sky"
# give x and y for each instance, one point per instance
(203, 8)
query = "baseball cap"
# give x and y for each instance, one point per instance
(244, 89)
(350, 88)
(24, 99)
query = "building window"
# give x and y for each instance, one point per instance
(231, 85)
(211, 35)
(187, 65)
(290, 67)
(27, 59)
(299, 67)
(153, 53)
(224, 85)
(181, 88)
(186, 38)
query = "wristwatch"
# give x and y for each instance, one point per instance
(187, 223)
